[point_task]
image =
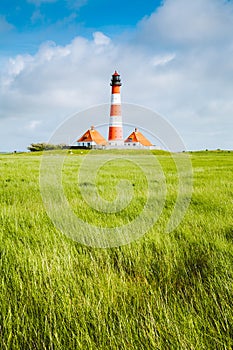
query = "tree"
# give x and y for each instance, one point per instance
(36, 147)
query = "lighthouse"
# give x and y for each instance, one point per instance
(93, 139)
(115, 133)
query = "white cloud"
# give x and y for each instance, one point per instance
(5, 25)
(183, 22)
(74, 4)
(161, 60)
(37, 16)
(101, 39)
(177, 62)
(32, 125)
(18, 64)
(39, 2)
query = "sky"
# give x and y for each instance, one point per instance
(175, 57)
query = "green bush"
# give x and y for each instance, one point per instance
(37, 147)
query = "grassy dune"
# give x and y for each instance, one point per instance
(163, 291)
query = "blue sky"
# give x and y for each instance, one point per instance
(28, 23)
(174, 57)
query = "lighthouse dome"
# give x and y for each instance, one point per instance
(116, 80)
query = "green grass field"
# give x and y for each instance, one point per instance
(162, 291)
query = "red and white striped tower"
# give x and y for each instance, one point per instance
(115, 134)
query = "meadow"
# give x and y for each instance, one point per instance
(162, 291)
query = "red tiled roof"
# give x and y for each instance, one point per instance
(137, 136)
(92, 135)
